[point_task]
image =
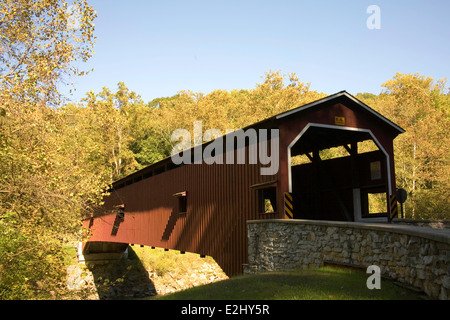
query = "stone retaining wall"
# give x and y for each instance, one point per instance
(436, 224)
(416, 256)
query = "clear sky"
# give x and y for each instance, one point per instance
(158, 48)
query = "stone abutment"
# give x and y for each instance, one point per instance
(413, 255)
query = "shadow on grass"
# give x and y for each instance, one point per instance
(326, 283)
(123, 279)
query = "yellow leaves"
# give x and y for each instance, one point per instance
(420, 105)
(37, 45)
(41, 185)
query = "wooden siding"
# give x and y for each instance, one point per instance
(220, 200)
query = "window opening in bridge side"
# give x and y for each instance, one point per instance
(267, 200)
(374, 202)
(181, 202)
(375, 170)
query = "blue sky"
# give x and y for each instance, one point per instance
(158, 48)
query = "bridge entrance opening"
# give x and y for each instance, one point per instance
(338, 173)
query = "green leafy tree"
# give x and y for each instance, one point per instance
(223, 110)
(421, 106)
(43, 196)
(108, 118)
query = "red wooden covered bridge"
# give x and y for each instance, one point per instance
(203, 207)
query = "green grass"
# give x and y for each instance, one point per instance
(168, 261)
(327, 283)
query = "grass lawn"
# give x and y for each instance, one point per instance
(161, 261)
(327, 283)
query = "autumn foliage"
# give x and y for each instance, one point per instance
(57, 159)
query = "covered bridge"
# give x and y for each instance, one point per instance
(203, 207)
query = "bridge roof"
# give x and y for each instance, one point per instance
(272, 122)
(343, 96)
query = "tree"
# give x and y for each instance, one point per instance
(43, 195)
(224, 110)
(421, 106)
(40, 42)
(273, 96)
(108, 124)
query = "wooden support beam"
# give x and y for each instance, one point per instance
(354, 165)
(317, 171)
(349, 150)
(356, 191)
(334, 189)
